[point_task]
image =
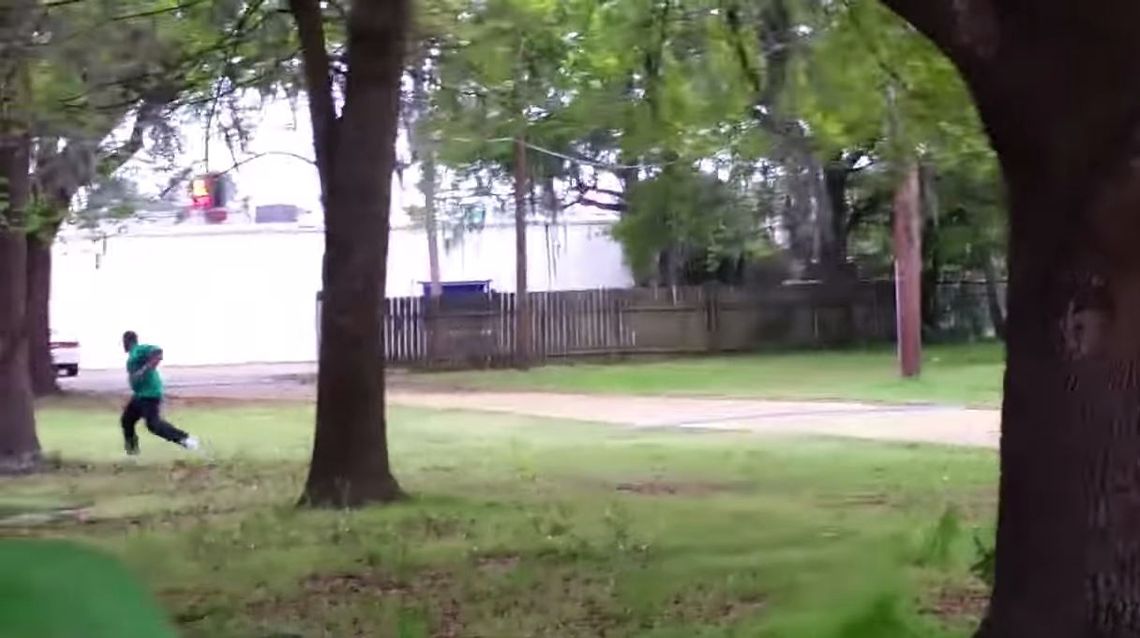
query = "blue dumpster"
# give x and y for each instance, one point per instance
(459, 288)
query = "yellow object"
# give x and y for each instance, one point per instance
(199, 188)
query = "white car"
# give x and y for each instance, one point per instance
(64, 355)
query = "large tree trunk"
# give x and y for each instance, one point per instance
(1068, 540)
(19, 445)
(350, 464)
(1069, 512)
(43, 375)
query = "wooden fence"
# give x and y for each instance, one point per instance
(479, 330)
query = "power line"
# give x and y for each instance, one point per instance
(572, 158)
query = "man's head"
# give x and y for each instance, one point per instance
(130, 340)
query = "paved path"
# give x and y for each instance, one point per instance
(916, 424)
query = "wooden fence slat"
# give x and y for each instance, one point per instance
(600, 321)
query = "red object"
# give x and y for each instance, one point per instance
(202, 190)
(208, 194)
(908, 273)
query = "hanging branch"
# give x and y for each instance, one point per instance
(316, 65)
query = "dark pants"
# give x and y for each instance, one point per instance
(150, 411)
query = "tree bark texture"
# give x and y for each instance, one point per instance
(19, 445)
(1068, 540)
(350, 465)
(42, 369)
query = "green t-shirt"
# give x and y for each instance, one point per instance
(149, 385)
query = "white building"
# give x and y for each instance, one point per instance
(231, 294)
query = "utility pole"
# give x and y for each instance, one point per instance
(908, 272)
(522, 303)
(907, 240)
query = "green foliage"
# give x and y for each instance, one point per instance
(739, 90)
(983, 567)
(938, 546)
(686, 208)
(106, 78)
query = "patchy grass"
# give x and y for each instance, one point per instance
(524, 527)
(956, 375)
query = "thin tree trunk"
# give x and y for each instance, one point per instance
(430, 228)
(836, 175)
(993, 297)
(19, 445)
(424, 149)
(430, 224)
(931, 277)
(350, 465)
(931, 248)
(42, 368)
(522, 302)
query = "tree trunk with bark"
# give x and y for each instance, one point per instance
(19, 445)
(42, 369)
(1068, 540)
(356, 158)
(61, 168)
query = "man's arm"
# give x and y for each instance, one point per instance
(153, 358)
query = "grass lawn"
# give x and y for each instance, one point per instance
(956, 375)
(523, 528)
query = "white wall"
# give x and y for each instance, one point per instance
(218, 296)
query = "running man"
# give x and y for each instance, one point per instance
(146, 397)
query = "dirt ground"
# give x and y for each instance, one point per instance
(912, 424)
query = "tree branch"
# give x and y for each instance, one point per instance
(582, 200)
(59, 175)
(150, 114)
(315, 62)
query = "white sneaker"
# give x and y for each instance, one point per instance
(191, 443)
